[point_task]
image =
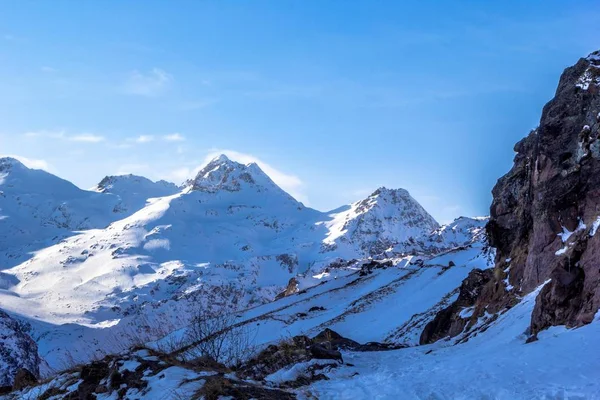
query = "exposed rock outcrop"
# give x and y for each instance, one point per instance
(544, 216)
(302, 349)
(18, 352)
(452, 320)
(546, 209)
(292, 288)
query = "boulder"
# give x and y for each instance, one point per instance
(323, 352)
(24, 378)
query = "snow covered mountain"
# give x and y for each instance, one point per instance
(230, 228)
(379, 222)
(231, 222)
(38, 209)
(371, 300)
(17, 349)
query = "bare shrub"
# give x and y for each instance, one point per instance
(216, 334)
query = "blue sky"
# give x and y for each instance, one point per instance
(333, 98)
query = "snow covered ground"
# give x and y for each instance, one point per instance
(498, 364)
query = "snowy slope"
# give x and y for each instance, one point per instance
(37, 208)
(231, 223)
(498, 364)
(354, 304)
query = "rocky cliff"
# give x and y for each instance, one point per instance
(544, 215)
(546, 209)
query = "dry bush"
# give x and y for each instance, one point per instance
(216, 334)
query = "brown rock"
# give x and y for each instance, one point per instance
(560, 301)
(448, 321)
(554, 183)
(323, 352)
(24, 378)
(291, 289)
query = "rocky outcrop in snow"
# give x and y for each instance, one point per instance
(18, 351)
(545, 214)
(453, 320)
(545, 208)
(223, 174)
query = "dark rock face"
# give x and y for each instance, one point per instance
(450, 321)
(23, 379)
(560, 300)
(554, 188)
(18, 351)
(323, 352)
(368, 268)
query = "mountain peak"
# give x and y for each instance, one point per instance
(8, 163)
(594, 56)
(383, 191)
(220, 159)
(221, 173)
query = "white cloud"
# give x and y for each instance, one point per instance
(86, 137)
(121, 146)
(32, 162)
(290, 183)
(62, 135)
(144, 138)
(174, 137)
(360, 194)
(9, 37)
(151, 84)
(45, 133)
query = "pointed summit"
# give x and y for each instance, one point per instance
(385, 218)
(221, 173)
(220, 159)
(8, 163)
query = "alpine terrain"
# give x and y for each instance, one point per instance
(227, 287)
